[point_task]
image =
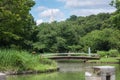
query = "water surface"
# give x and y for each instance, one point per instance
(68, 71)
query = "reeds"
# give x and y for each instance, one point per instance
(14, 60)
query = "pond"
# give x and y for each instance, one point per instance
(68, 71)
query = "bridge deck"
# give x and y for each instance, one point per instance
(74, 57)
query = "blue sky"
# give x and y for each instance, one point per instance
(49, 10)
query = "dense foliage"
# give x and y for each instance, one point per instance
(16, 23)
(110, 53)
(75, 34)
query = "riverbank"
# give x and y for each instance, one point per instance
(31, 72)
(106, 60)
(23, 62)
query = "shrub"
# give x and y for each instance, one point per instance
(113, 53)
(102, 53)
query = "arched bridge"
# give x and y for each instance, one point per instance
(74, 56)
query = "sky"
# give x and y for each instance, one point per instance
(59, 10)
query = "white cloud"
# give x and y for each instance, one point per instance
(52, 14)
(70, 7)
(39, 21)
(86, 12)
(87, 7)
(41, 8)
(84, 3)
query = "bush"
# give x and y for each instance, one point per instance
(113, 53)
(110, 53)
(102, 53)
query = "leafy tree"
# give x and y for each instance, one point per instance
(66, 36)
(15, 22)
(46, 38)
(72, 18)
(116, 16)
(105, 39)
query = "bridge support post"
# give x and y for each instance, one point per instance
(101, 73)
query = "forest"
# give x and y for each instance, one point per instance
(18, 30)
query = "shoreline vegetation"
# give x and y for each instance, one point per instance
(23, 62)
(32, 72)
(106, 60)
(15, 62)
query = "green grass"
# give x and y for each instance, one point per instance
(14, 60)
(110, 59)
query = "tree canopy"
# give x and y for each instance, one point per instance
(75, 34)
(15, 22)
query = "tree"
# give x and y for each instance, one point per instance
(46, 38)
(15, 22)
(105, 40)
(116, 16)
(67, 35)
(72, 18)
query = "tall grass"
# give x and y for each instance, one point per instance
(14, 60)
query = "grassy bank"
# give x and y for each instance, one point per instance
(17, 61)
(106, 60)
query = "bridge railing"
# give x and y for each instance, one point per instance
(69, 54)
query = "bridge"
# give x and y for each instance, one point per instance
(73, 56)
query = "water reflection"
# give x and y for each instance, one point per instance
(52, 76)
(68, 71)
(68, 67)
